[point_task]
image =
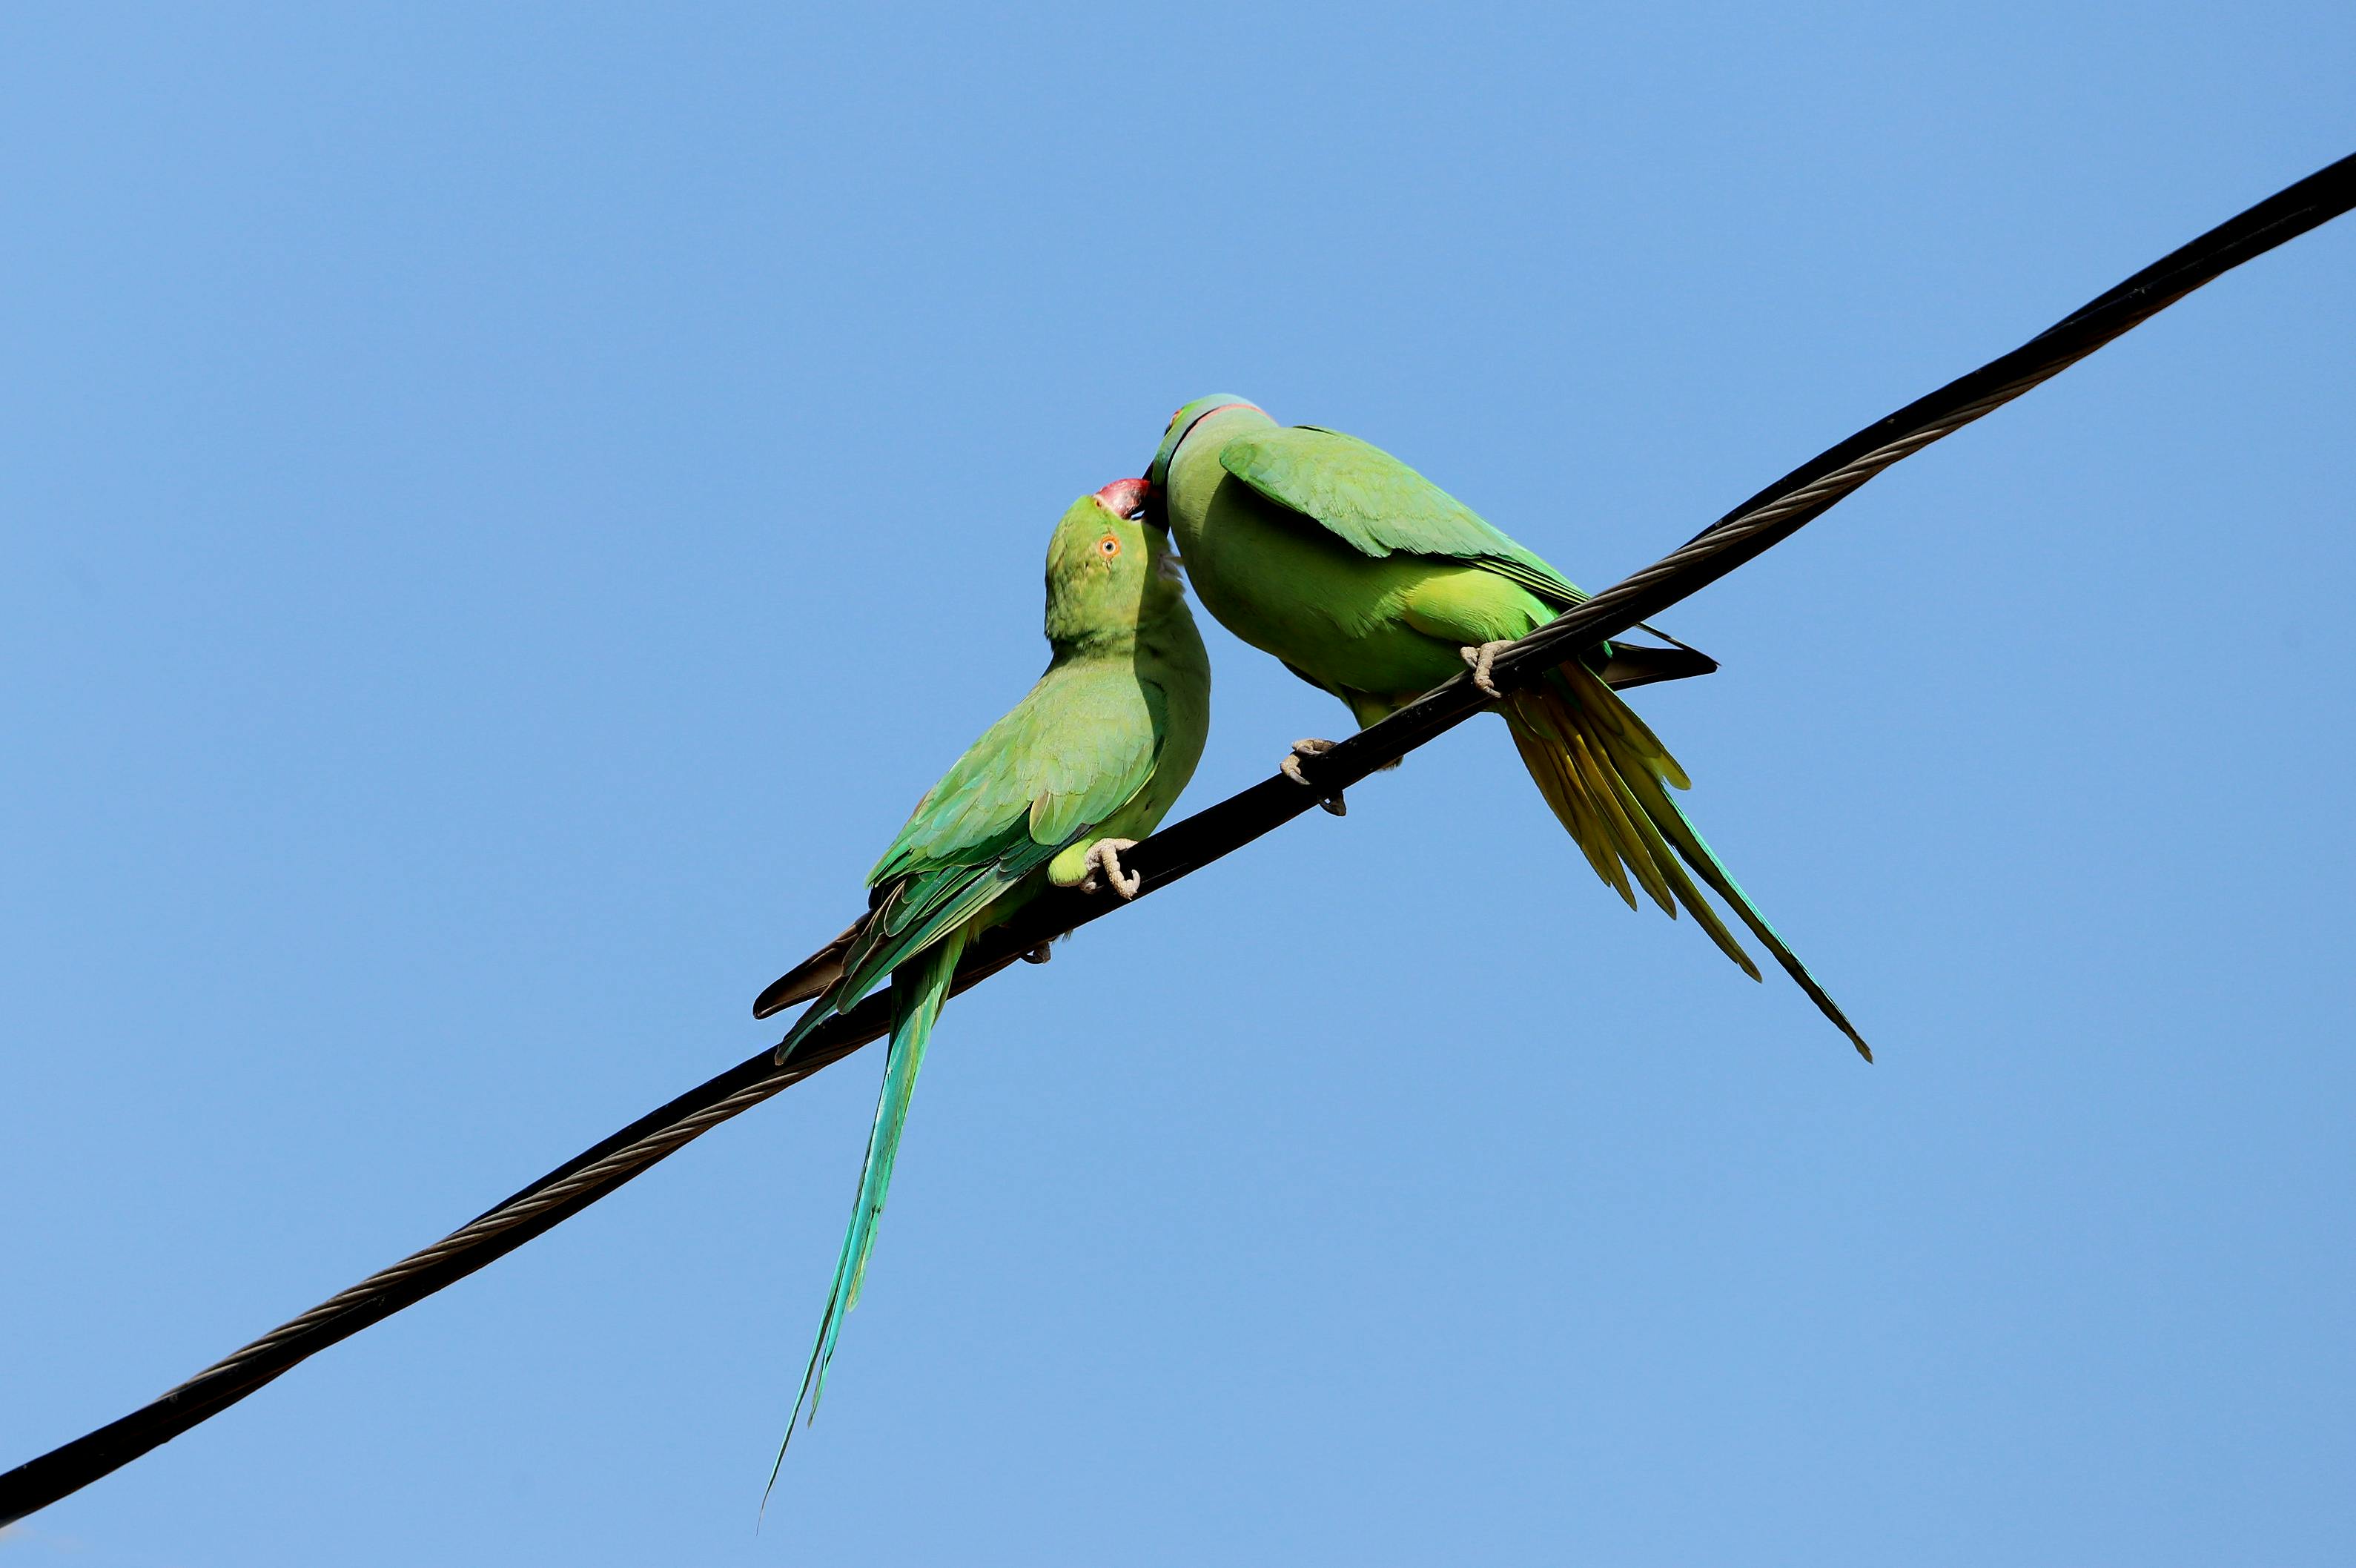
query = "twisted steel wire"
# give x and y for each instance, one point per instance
(524, 1209)
(1186, 846)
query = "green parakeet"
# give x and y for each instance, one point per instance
(1369, 580)
(1083, 767)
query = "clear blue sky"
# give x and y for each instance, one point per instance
(502, 516)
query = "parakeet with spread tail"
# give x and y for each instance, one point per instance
(1084, 766)
(1370, 581)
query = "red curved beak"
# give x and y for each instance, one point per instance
(1123, 498)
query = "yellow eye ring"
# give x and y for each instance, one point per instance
(1108, 546)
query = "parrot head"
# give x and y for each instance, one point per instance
(1107, 570)
(1158, 476)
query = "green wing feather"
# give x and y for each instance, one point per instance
(1070, 755)
(1363, 496)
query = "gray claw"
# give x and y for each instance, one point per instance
(1290, 767)
(1104, 856)
(1481, 659)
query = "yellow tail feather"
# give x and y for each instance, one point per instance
(1606, 776)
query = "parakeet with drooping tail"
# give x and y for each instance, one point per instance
(1371, 582)
(1084, 766)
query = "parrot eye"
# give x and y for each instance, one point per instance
(1108, 546)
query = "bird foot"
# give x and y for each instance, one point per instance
(1104, 856)
(1481, 659)
(1290, 767)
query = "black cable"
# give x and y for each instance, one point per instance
(1767, 518)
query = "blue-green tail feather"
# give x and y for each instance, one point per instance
(918, 989)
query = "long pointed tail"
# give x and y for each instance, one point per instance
(918, 988)
(1608, 777)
